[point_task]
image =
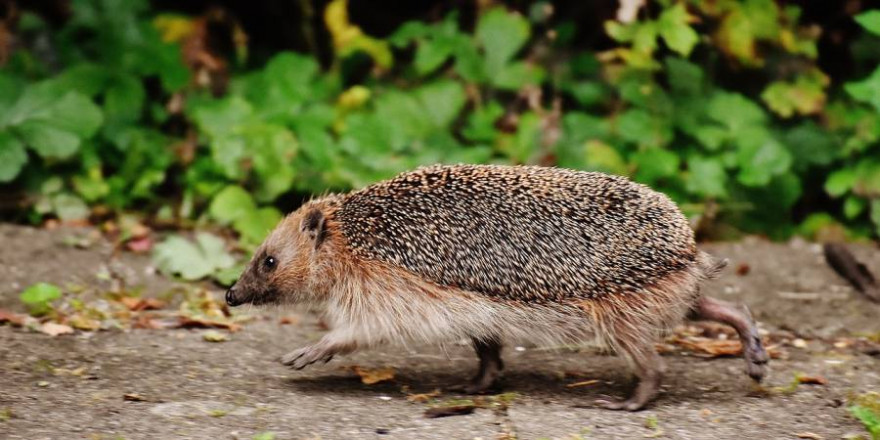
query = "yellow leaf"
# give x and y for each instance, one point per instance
(173, 28)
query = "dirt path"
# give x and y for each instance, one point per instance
(190, 388)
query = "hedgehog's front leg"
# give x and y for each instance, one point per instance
(649, 369)
(324, 350)
(491, 365)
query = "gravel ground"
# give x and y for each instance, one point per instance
(189, 388)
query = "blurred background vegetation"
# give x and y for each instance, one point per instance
(757, 116)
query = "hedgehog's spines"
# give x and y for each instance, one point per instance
(528, 234)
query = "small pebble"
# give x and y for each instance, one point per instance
(385, 398)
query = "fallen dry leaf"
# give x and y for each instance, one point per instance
(447, 411)
(214, 336)
(68, 372)
(53, 329)
(191, 322)
(133, 397)
(809, 435)
(743, 269)
(370, 376)
(139, 304)
(16, 319)
(80, 322)
(422, 398)
(811, 380)
(154, 323)
(582, 383)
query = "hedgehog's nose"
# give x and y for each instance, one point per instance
(231, 299)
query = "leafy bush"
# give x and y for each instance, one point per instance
(722, 105)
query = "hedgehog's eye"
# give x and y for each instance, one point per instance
(269, 262)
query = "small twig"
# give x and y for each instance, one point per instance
(845, 264)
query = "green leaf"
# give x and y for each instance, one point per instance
(867, 90)
(853, 206)
(735, 111)
(870, 20)
(875, 217)
(408, 32)
(38, 296)
(431, 54)
(69, 207)
(230, 204)
(804, 96)
(256, 224)
(654, 164)
(840, 181)
(706, 177)
(603, 157)
(74, 113)
(675, 30)
(759, 162)
(192, 261)
(124, 99)
(642, 128)
(442, 102)
(228, 277)
(516, 74)
(684, 76)
(12, 157)
(866, 415)
(501, 34)
(49, 141)
(811, 144)
(220, 117)
(481, 123)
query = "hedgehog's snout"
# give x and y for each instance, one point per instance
(231, 299)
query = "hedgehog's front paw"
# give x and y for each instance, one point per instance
(299, 359)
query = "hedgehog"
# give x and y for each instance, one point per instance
(495, 255)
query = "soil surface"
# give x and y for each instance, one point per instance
(181, 386)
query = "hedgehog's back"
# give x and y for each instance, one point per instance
(520, 233)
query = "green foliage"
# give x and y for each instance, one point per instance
(719, 104)
(193, 261)
(38, 298)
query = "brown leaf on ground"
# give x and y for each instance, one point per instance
(370, 376)
(809, 435)
(139, 304)
(81, 322)
(811, 380)
(422, 398)
(715, 347)
(15, 319)
(55, 329)
(743, 269)
(192, 322)
(133, 397)
(155, 323)
(447, 411)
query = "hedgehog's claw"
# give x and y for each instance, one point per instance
(299, 359)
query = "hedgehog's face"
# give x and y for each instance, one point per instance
(280, 269)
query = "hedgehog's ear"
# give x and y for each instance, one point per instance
(313, 224)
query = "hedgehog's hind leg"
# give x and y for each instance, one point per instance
(649, 368)
(491, 365)
(740, 319)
